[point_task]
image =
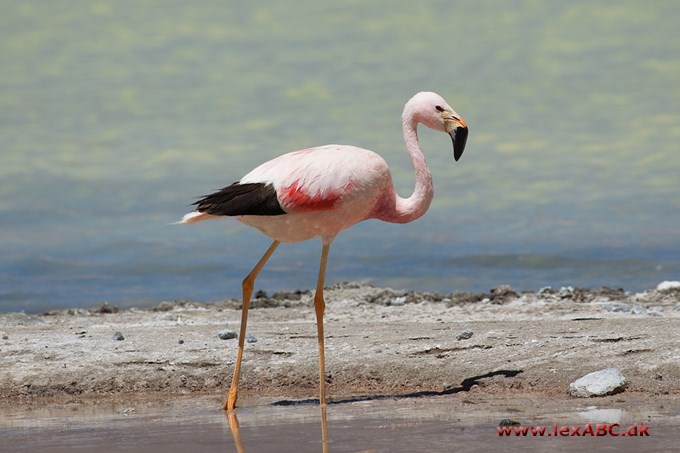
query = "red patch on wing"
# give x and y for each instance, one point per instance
(295, 199)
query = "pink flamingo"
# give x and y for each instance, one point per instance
(318, 192)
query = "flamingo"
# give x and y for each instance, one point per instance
(318, 192)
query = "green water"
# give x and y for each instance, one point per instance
(116, 115)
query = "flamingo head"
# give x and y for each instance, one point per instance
(434, 112)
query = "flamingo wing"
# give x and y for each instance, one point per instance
(317, 179)
(314, 179)
(241, 199)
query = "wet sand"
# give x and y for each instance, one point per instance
(382, 347)
(449, 423)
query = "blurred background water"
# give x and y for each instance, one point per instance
(116, 115)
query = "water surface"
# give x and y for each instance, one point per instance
(420, 424)
(116, 115)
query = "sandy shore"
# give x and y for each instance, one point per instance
(378, 342)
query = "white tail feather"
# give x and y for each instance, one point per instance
(193, 217)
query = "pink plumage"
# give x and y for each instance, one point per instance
(318, 192)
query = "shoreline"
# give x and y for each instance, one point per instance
(378, 342)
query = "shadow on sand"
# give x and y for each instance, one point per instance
(464, 386)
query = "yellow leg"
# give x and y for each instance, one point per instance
(324, 430)
(248, 284)
(319, 307)
(235, 431)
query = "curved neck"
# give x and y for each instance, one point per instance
(413, 207)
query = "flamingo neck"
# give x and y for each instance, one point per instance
(413, 207)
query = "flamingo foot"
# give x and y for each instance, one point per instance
(230, 403)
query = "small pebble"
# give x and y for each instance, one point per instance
(106, 308)
(599, 383)
(509, 422)
(227, 334)
(566, 292)
(251, 339)
(465, 335)
(546, 290)
(5, 336)
(118, 336)
(181, 341)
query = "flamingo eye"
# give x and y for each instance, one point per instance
(439, 108)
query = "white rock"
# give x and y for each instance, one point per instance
(665, 286)
(398, 301)
(599, 383)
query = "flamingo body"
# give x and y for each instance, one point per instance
(318, 192)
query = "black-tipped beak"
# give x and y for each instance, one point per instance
(459, 137)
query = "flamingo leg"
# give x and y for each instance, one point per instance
(235, 430)
(319, 307)
(248, 285)
(324, 430)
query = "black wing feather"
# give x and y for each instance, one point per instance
(242, 199)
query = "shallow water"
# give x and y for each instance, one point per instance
(423, 424)
(115, 116)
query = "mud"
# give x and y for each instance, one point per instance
(380, 343)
